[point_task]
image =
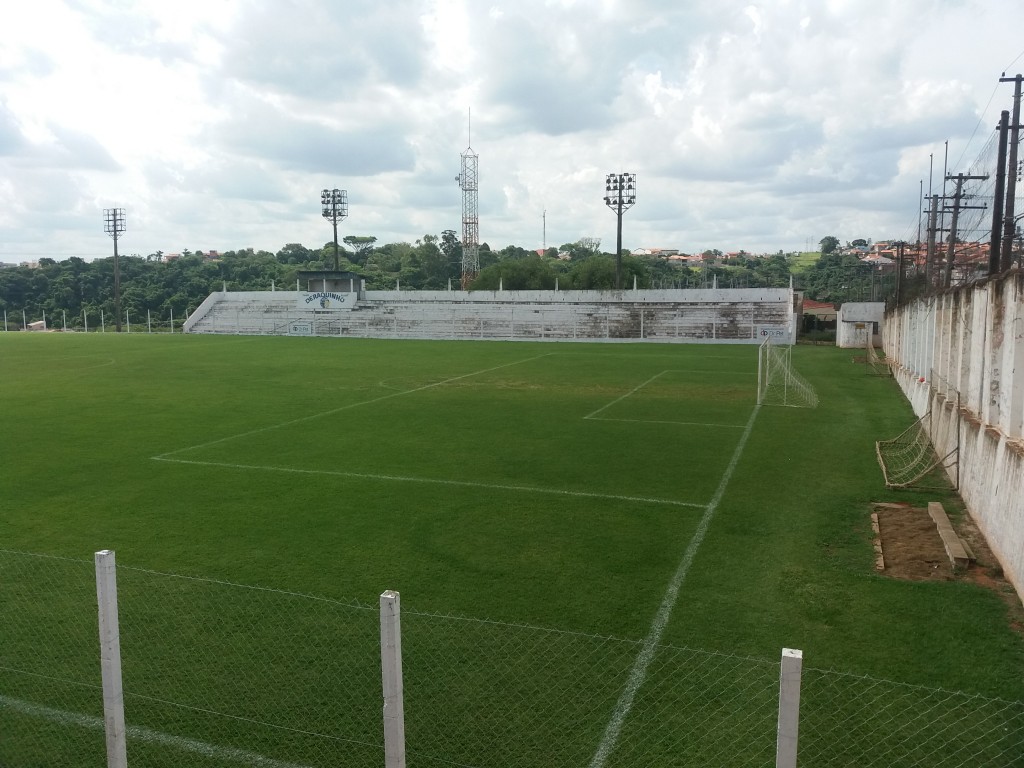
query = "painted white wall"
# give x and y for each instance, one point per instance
(961, 356)
(862, 312)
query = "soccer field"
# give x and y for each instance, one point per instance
(627, 490)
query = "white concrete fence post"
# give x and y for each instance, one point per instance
(789, 708)
(391, 679)
(110, 660)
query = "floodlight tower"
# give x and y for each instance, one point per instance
(469, 182)
(334, 208)
(620, 196)
(113, 225)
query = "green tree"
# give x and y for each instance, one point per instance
(828, 244)
(295, 253)
(598, 273)
(436, 268)
(526, 274)
(361, 246)
(837, 278)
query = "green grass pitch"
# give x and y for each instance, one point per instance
(554, 485)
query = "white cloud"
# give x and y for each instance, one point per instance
(750, 125)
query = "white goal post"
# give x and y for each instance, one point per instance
(777, 382)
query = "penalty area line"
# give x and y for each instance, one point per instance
(638, 674)
(332, 411)
(436, 481)
(619, 399)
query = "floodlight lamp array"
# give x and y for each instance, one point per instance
(113, 221)
(334, 204)
(620, 191)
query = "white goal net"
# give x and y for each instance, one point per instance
(879, 367)
(910, 459)
(778, 383)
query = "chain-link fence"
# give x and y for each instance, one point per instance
(218, 674)
(860, 721)
(51, 704)
(93, 320)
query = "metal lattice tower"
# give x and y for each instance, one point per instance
(469, 182)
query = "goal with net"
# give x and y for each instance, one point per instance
(909, 460)
(879, 367)
(777, 382)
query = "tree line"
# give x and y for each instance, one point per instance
(165, 287)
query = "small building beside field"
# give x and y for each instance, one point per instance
(858, 322)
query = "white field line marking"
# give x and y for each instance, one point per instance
(658, 421)
(647, 421)
(346, 407)
(638, 673)
(146, 734)
(434, 481)
(633, 391)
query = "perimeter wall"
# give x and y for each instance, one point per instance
(960, 355)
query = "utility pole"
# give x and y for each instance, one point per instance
(1006, 256)
(957, 207)
(929, 258)
(920, 196)
(899, 271)
(947, 275)
(997, 202)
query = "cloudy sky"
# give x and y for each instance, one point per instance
(755, 125)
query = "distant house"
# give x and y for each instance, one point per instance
(820, 309)
(880, 262)
(664, 253)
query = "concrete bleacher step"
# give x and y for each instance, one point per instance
(421, 317)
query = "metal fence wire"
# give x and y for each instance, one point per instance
(51, 702)
(221, 674)
(488, 694)
(245, 674)
(849, 720)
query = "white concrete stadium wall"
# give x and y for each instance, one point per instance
(725, 316)
(961, 356)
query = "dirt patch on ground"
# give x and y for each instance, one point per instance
(912, 549)
(911, 545)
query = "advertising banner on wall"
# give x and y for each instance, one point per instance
(777, 333)
(329, 301)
